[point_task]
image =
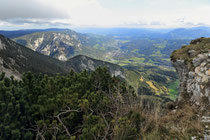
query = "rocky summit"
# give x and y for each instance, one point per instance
(192, 64)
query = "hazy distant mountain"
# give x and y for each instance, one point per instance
(129, 33)
(134, 33)
(188, 33)
(17, 33)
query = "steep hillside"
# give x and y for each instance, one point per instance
(16, 59)
(81, 62)
(67, 43)
(153, 81)
(192, 64)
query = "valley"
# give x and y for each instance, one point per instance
(143, 53)
(49, 74)
(104, 70)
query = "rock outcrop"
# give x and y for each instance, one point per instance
(192, 64)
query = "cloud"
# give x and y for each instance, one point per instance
(10, 9)
(85, 12)
(109, 13)
(77, 12)
(20, 21)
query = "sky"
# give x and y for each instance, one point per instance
(26, 14)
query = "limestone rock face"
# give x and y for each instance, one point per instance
(194, 72)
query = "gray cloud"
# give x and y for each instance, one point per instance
(10, 9)
(49, 22)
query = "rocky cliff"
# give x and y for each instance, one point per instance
(192, 64)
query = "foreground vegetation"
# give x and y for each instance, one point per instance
(87, 106)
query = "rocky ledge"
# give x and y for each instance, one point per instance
(192, 63)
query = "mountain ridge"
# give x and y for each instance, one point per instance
(67, 43)
(20, 59)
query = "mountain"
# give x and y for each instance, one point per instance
(16, 59)
(123, 46)
(145, 60)
(136, 33)
(67, 43)
(18, 33)
(134, 55)
(192, 63)
(136, 49)
(188, 33)
(81, 62)
(97, 105)
(126, 33)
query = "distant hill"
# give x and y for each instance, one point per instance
(136, 33)
(188, 33)
(123, 33)
(18, 33)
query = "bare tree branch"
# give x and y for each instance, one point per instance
(68, 110)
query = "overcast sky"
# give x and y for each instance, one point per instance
(22, 14)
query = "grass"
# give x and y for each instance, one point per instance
(135, 50)
(153, 87)
(141, 79)
(131, 61)
(173, 90)
(158, 54)
(133, 79)
(159, 123)
(161, 45)
(166, 59)
(96, 46)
